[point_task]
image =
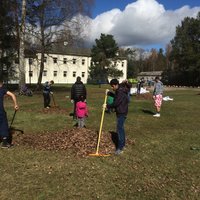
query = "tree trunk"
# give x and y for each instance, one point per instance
(42, 29)
(22, 71)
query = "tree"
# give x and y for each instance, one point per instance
(22, 72)
(103, 54)
(52, 19)
(7, 39)
(186, 52)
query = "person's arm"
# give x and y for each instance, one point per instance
(14, 99)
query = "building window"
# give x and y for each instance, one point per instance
(65, 74)
(83, 61)
(74, 74)
(45, 73)
(122, 64)
(74, 61)
(55, 73)
(83, 74)
(64, 60)
(45, 59)
(30, 73)
(55, 60)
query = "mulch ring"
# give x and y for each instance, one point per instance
(81, 141)
(147, 96)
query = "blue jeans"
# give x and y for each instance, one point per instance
(120, 131)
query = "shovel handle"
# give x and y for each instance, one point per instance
(13, 118)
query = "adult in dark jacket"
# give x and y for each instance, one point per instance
(46, 93)
(78, 89)
(121, 107)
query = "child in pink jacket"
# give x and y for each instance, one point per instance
(81, 112)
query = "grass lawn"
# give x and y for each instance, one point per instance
(159, 165)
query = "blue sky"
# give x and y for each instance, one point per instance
(106, 5)
(139, 23)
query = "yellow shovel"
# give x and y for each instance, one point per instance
(100, 130)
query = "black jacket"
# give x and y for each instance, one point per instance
(120, 101)
(78, 89)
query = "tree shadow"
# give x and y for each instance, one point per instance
(114, 138)
(148, 112)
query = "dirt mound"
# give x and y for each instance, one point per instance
(81, 141)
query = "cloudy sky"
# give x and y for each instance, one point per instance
(141, 23)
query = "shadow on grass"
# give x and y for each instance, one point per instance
(114, 138)
(148, 112)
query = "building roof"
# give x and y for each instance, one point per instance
(152, 73)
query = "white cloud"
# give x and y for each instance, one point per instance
(141, 23)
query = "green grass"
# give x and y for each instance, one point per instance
(160, 165)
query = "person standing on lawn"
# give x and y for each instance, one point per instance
(46, 93)
(157, 95)
(81, 112)
(78, 89)
(4, 129)
(120, 104)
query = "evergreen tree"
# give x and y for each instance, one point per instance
(104, 56)
(186, 52)
(7, 39)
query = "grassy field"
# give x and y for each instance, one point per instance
(160, 165)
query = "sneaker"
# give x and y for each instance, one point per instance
(156, 115)
(118, 152)
(5, 145)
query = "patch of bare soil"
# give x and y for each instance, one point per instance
(81, 141)
(147, 96)
(51, 110)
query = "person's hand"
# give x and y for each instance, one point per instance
(72, 101)
(51, 92)
(154, 97)
(107, 90)
(104, 106)
(16, 107)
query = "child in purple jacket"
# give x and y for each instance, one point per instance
(81, 111)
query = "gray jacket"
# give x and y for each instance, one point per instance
(158, 88)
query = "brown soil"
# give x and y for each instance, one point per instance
(81, 141)
(147, 96)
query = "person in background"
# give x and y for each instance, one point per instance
(78, 89)
(128, 86)
(140, 85)
(46, 93)
(120, 104)
(81, 111)
(157, 95)
(4, 129)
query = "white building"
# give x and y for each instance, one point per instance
(65, 67)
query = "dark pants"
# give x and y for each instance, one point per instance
(74, 114)
(47, 99)
(4, 132)
(120, 131)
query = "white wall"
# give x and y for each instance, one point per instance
(77, 69)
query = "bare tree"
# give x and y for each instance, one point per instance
(48, 17)
(22, 72)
